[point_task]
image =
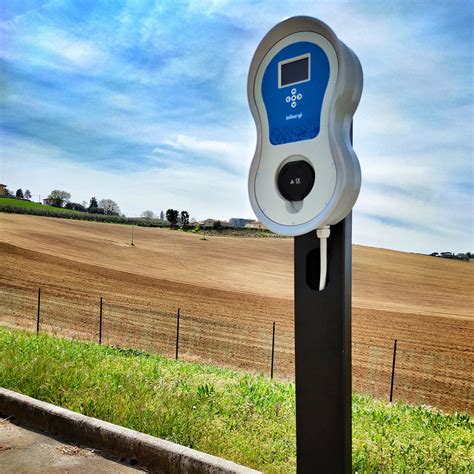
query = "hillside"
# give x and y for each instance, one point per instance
(424, 302)
(30, 205)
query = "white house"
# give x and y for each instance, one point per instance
(208, 223)
(255, 225)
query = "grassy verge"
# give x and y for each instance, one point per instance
(245, 418)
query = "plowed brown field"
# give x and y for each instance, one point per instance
(229, 291)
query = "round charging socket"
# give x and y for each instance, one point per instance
(296, 180)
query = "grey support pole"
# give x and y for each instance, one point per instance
(100, 321)
(273, 351)
(38, 312)
(323, 353)
(177, 334)
(392, 378)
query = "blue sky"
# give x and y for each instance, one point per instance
(145, 103)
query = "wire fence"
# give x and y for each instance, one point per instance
(398, 370)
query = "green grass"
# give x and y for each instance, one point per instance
(30, 205)
(245, 418)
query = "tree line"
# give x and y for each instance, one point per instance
(108, 207)
(105, 206)
(19, 194)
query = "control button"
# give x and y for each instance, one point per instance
(293, 97)
(293, 91)
(299, 96)
(296, 180)
(293, 104)
(288, 99)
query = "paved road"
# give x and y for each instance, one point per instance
(23, 450)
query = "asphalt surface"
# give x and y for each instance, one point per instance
(23, 450)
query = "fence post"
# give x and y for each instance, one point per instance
(273, 351)
(177, 335)
(393, 369)
(38, 312)
(100, 322)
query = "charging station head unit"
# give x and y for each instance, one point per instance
(304, 86)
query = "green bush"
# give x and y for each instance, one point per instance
(75, 206)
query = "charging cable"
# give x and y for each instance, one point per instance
(323, 233)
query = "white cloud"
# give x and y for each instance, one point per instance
(235, 155)
(380, 234)
(203, 191)
(206, 7)
(55, 49)
(77, 52)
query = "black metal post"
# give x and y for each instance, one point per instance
(323, 353)
(273, 350)
(177, 335)
(38, 312)
(100, 322)
(393, 369)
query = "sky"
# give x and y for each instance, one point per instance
(145, 103)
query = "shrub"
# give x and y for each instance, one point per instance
(74, 206)
(96, 210)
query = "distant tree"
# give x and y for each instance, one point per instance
(110, 207)
(93, 204)
(162, 215)
(184, 218)
(75, 206)
(64, 196)
(217, 225)
(27, 194)
(19, 193)
(172, 216)
(148, 214)
(84, 204)
(8, 193)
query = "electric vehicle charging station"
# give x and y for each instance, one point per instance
(304, 86)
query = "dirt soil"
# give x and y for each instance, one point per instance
(229, 291)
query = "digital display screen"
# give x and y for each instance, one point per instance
(294, 71)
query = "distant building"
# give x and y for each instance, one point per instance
(3, 189)
(239, 221)
(208, 223)
(56, 202)
(255, 225)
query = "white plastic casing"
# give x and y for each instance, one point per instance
(330, 153)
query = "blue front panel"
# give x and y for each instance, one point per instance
(294, 111)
